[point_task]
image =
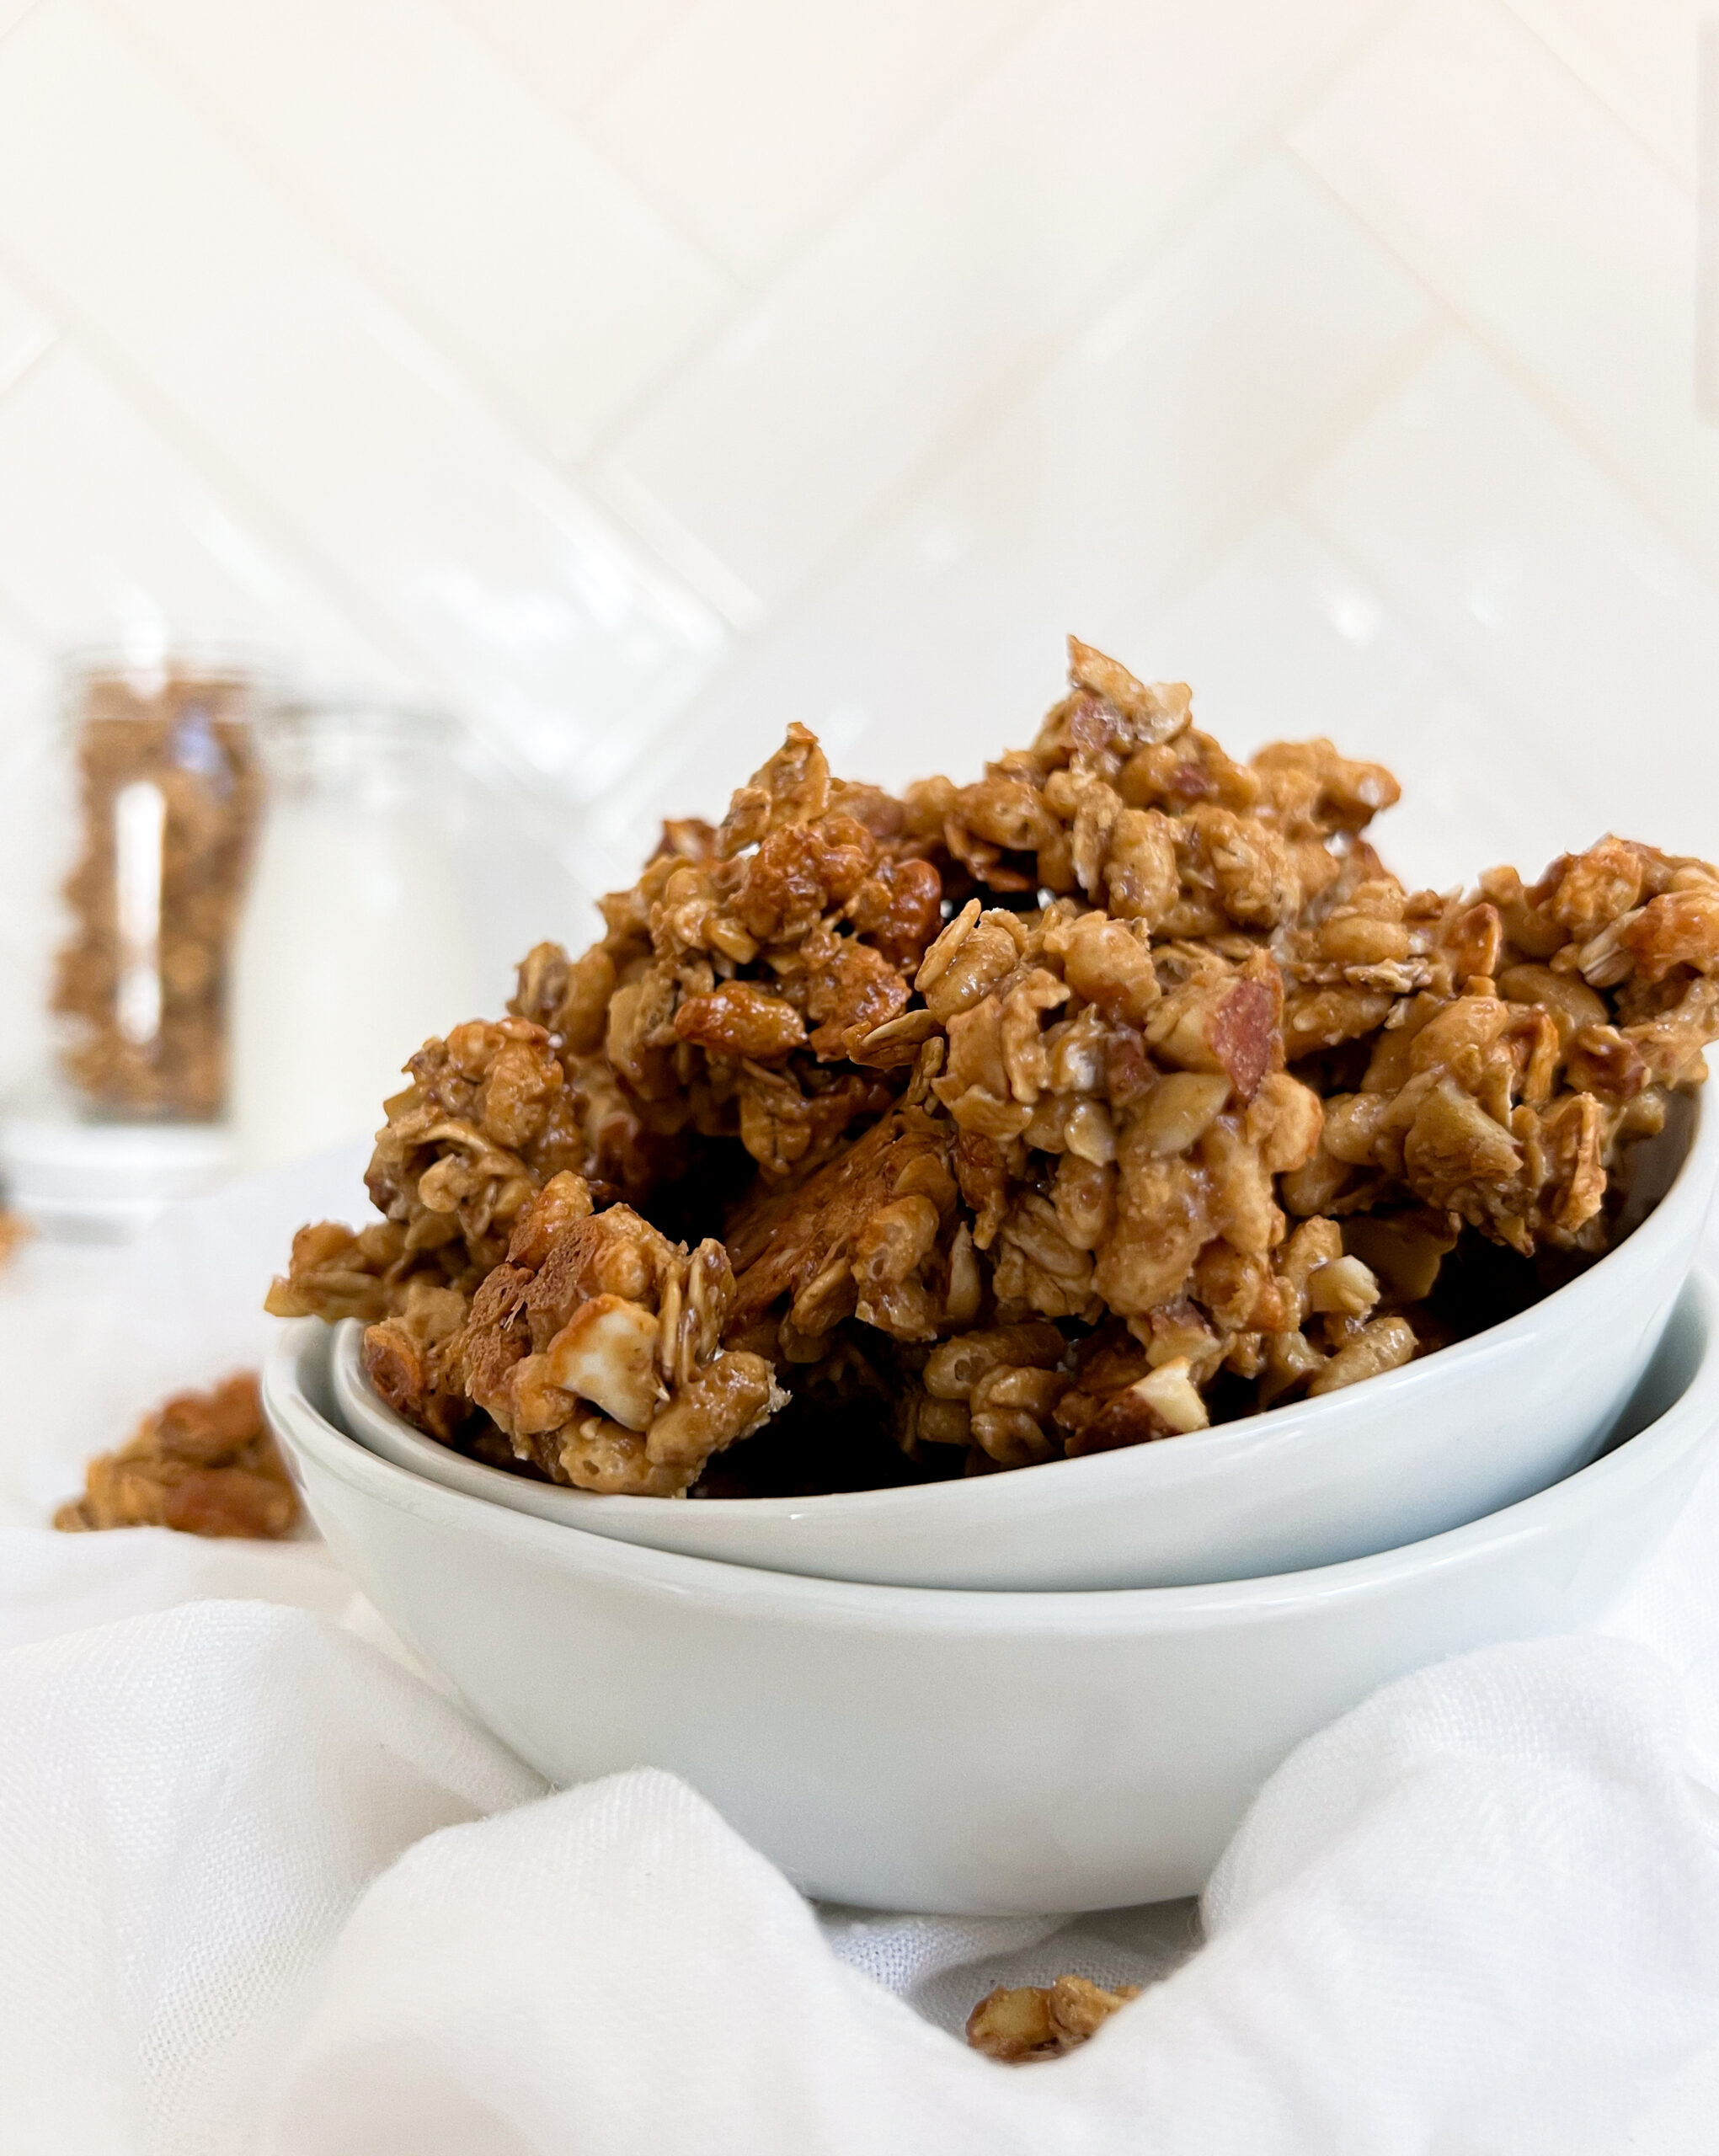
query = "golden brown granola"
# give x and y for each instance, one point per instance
(168, 778)
(1117, 1092)
(1034, 2021)
(596, 1348)
(202, 1462)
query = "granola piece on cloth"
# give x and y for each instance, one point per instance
(202, 1462)
(1036, 2021)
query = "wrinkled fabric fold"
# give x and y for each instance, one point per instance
(261, 1889)
(266, 1890)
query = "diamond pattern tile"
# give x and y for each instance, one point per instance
(636, 379)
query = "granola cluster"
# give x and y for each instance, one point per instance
(594, 1348)
(1037, 2021)
(202, 1462)
(170, 790)
(1120, 1092)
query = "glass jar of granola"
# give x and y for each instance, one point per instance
(164, 763)
(170, 797)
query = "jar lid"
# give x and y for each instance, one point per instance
(358, 718)
(147, 669)
(353, 746)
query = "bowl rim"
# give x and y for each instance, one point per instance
(1136, 1470)
(1689, 1422)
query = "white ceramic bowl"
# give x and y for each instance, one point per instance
(916, 1749)
(1403, 1456)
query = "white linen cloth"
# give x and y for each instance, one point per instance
(264, 1887)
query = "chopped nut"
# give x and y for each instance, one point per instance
(1344, 1286)
(1386, 1344)
(606, 1353)
(1169, 1392)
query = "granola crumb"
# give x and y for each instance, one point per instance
(1037, 2021)
(204, 1463)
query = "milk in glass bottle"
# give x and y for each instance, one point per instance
(355, 945)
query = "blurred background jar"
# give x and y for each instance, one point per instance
(355, 942)
(165, 763)
(170, 796)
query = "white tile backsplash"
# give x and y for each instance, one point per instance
(1638, 57)
(1513, 193)
(127, 543)
(264, 341)
(1595, 633)
(520, 248)
(875, 351)
(757, 118)
(1171, 413)
(637, 378)
(1086, 506)
(1285, 640)
(1478, 792)
(25, 333)
(570, 51)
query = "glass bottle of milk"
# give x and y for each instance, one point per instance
(355, 947)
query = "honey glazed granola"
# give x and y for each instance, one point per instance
(1031, 2022)
(202, 1462)
(1121, 1091)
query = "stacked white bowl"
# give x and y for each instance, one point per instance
(1058, 1689)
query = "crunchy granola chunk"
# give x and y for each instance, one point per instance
(1126, 1391)
(872, 1234)
(1038, 2021)
(336, 1273)
(1118, 1091)
(596, 1348)
(406, 1359)
(485, 1121)
(1008, 1381)
(202, 1462)
(1500, 1085)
